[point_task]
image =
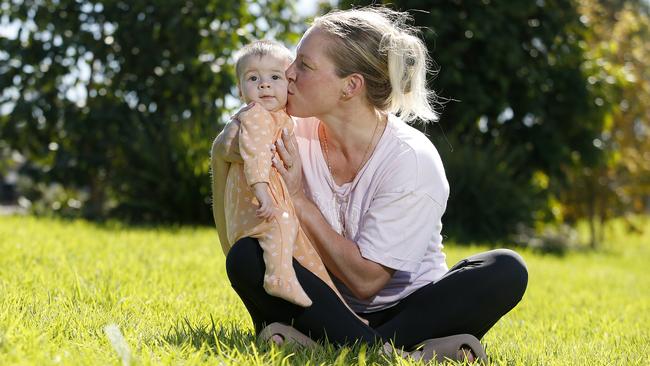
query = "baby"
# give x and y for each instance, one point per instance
(257, 203)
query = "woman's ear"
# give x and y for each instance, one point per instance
(353, 85)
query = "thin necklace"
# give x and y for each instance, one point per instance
(342, 199)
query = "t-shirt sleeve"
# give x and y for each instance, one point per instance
(397, 228)
(255, 137)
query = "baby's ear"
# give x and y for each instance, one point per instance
(241, 96)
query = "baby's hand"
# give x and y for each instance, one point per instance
(267, 206)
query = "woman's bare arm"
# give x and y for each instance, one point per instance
(219, 175)
(341, 256)
(225, 150)
(226, 145)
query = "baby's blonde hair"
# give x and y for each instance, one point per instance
(377, 43)
(261, 48)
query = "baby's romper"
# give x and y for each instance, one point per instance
(259, 129)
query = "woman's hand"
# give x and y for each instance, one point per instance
(290, 165)
(226, 145)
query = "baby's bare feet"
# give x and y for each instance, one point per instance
(287, 289)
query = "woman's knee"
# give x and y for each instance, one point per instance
(242, 262)
(513, 270)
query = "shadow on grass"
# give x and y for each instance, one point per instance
(210, 335)
(239, 345)
(224, 339)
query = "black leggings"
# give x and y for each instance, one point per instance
(470, 298)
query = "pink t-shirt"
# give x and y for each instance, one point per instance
(393, 210)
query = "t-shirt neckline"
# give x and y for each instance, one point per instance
(345, 188)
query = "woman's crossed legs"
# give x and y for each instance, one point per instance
(470, 298)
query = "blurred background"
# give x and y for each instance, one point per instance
(108, 109)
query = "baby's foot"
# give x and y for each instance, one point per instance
(286, 288)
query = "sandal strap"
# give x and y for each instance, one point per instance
(290, 334)
(448, 347)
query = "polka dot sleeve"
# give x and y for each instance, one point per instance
(255, 138)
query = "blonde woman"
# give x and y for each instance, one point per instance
(370, 192)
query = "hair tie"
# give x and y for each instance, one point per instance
(410, 61)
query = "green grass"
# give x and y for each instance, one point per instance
(63, 282)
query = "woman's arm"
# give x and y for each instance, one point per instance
(341, 256)
(225, 150)
(220, 169)
(226, 145)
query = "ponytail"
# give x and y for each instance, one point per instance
(407, 71)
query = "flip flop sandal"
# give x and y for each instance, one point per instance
(289, 334)
(448, 347)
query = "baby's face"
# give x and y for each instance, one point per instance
(263, 81)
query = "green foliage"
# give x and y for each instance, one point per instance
(166, 290)
(618, 69)
(489, 196)
(114, 104)
(515, 102)
(122, 99)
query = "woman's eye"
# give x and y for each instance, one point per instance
(303, 64)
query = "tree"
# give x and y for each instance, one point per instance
(120, 100)
(516, 105)
(616, 62)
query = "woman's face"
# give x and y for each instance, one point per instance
(314, 88)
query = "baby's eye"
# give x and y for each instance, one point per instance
(252, 78)
(276, 77)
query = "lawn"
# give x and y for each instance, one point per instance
(73, 292)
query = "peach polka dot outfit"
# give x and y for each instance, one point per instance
(281, 238)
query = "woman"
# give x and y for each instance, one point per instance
(370, 192)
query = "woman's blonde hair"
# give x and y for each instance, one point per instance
(377, 43)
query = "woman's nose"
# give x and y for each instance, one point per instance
(290, 74)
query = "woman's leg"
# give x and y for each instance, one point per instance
(470, 298)
(327, 318)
